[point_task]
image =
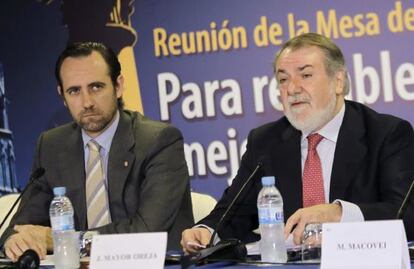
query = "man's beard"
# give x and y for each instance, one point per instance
(314, 121)
(98, 122)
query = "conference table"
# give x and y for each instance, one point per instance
(228, 265)
(242, 266)
(232, 265)
(252, 266)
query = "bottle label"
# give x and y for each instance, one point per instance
(62, 223)
(269, 215)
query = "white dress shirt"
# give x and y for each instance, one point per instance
(326, 152)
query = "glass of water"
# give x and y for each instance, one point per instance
(312, 243)
(66, 249)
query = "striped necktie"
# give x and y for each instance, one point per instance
(96, 193)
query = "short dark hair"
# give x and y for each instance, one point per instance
(334, 61)
(81, 49)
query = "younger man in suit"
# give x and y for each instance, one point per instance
(123, 172)
(334, 160)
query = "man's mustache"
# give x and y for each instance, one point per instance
(89, 112)
(297, 99)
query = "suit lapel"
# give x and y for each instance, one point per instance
(121, 159)
(72, 166)
(288, 169)
(349, 152)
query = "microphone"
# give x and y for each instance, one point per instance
(404, 205)
(258, 166)
(33, 178)
(227, 248)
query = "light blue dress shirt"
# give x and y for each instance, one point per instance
(104, 140)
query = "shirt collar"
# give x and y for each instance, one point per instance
(105, 138)
(331, 130)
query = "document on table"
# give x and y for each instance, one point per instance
(48, 261)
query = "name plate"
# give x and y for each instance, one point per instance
(139, 250)
(369, 244)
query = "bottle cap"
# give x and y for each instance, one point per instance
(59, 191)
(268, 181)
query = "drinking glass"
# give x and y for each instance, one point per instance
(312, 243)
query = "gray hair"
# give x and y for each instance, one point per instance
(334, 59)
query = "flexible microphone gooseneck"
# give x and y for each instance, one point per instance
(29, 259)
(33, 178)
(223, 217)
(226, 248)
(404, 205)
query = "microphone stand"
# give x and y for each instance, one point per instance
(29, 259)
(35, 175)
(403, 208)
(230, 249)
(258, 166)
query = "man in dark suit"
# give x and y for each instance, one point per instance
(141, 172)
(364, 162)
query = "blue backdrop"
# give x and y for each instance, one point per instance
(204, 66)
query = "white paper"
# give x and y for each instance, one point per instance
(370, 244)
(140, 250)
(48, 261)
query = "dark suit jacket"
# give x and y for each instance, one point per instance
(373, 167)
(148, 182)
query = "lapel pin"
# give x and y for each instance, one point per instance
(126, 163)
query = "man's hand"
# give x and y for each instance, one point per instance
(195, 238)
(314, 214)
(36, 237)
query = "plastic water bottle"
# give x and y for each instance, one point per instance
(65, 239)
(271, 222)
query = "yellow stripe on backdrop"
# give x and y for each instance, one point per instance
(132, 93)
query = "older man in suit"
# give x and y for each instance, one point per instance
(334, 160)
(123, 172)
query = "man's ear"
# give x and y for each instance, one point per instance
(119, 87)
(60, 92)
(340, 82)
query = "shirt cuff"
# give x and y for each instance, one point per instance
(350, 211)
(216, 238)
